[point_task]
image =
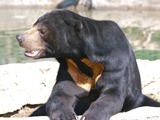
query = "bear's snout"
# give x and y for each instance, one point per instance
(20, 38)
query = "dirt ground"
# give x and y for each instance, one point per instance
(23, 112)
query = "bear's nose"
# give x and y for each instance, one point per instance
(19, 38)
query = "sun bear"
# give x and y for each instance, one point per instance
(98, 74)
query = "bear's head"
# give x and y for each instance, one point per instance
(55, 34)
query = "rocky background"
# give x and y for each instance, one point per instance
(141, 4)
(23, 87)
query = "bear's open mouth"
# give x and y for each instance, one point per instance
(33, 53)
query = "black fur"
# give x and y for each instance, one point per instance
(76, 37)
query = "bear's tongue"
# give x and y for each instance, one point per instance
(31, 53)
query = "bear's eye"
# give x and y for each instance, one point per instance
(42, 32)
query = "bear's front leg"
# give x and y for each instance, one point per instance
(112, 94)
(61, 103)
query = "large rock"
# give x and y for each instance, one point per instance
(22, 84)
(31, 83)
(150, 77)
(142, 113)
(148, 4)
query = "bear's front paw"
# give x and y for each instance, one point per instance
(94, 115)
(96, 111)
(62, 113)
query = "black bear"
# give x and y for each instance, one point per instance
(98, 74)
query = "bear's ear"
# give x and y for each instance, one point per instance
(77, 25)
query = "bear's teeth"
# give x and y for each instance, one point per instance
(31, 53)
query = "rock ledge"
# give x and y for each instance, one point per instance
(31, 83)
